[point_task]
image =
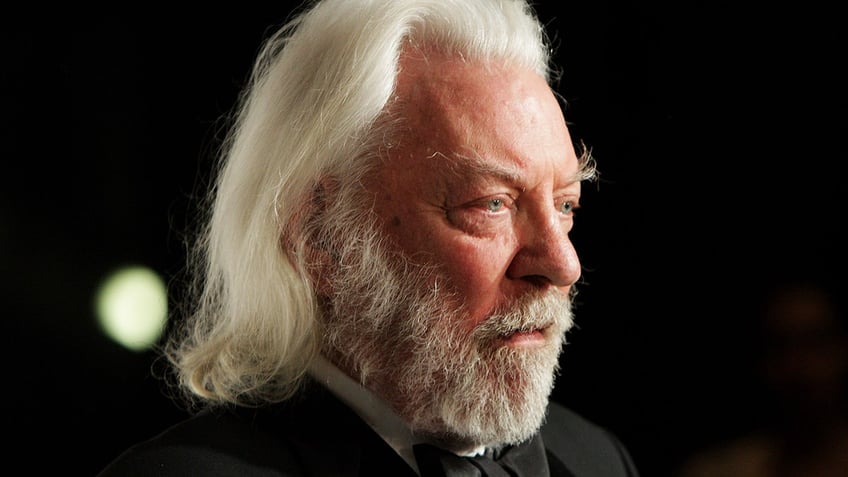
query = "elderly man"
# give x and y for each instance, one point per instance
(385, 279)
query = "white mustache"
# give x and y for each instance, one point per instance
(533, 312)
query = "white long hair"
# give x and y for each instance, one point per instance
(312, 110)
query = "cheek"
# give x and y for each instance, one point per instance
(476, 272)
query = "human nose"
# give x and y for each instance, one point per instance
(545, 253)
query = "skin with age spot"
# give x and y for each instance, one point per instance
(485, 182)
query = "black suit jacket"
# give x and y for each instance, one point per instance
(315, 434)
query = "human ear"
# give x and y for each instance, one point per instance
(305, 242)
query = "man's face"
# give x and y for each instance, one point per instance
(483, 185)
(459, 324)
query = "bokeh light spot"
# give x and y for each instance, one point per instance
(132, 307)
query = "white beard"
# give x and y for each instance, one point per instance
(404, 341)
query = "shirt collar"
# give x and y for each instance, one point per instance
(373, 410)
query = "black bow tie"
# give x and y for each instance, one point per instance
(525, 460)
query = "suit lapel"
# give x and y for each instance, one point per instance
(556, 466)
(319, 425)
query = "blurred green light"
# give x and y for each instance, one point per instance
(132, 307)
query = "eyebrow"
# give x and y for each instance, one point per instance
(462, 164)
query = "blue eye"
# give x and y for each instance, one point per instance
(494, 205)
(567, 207)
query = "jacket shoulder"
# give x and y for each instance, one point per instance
(212, 443)
(585, 447)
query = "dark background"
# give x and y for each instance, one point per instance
(718, 126)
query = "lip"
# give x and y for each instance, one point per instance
(525, 339)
